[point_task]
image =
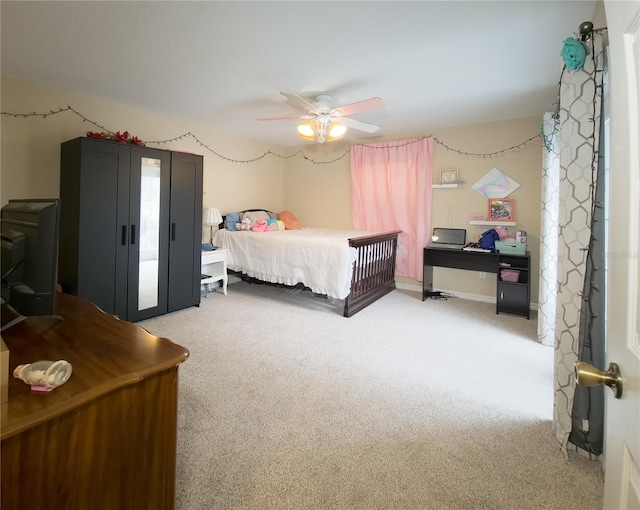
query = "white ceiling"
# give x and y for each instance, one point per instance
(435, 64)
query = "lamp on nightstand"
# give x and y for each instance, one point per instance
(211, 217)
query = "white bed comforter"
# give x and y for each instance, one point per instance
(319, 258)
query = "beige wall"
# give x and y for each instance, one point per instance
(599, 19)
(30, 162)
(319, 194)
(453, 207)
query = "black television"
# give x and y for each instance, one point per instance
(30, 231)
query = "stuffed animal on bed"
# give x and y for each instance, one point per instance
(272, 224)
(289, 220)
(245, 224)
(261, 226)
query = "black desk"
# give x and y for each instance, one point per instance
(512, 295)
(456, 259)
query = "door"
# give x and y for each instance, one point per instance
(185, 230)
(148, 234)
(94, 222)
(622, 436)
(513, 298)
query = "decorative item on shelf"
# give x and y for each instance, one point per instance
(501, 209)
(122, 137)
(449, 176)
(477, 217)
(211, 217)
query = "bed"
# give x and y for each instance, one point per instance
(355, 266)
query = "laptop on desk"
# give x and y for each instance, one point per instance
(449, 238)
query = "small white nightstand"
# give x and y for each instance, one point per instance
(214, 265)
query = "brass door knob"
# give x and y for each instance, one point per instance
(588, 375)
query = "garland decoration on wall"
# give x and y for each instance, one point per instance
(519, 146)
(125, 137)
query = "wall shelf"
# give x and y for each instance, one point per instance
(444, 186)
(494, 223)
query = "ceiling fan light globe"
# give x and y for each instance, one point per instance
(336, 130)
(305, 130)
(323, 122)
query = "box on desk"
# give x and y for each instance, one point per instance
(511, 247)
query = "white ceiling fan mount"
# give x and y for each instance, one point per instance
(322, 105)
(321, 117)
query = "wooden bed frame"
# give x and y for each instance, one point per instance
(373, 270)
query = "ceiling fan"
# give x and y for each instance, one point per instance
(326, 123)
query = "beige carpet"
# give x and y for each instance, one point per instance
(285, 404)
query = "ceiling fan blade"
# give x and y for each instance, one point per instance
(359, 125)
(298, 101)
(360, 106)
(289, 117)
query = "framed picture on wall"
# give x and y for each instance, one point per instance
(448, 176)
(501, 209)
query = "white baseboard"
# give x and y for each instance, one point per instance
(418, 289)
(461, 295)
(406, 286)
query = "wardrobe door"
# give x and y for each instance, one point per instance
(148, 233)
(94, 219)
(185, 227)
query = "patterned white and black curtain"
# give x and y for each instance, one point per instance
(549, 225)
(578, 265)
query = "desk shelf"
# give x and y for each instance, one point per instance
(513, 296)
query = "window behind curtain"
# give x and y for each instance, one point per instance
(391, 190)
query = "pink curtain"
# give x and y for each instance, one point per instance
(391, 190)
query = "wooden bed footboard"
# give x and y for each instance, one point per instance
(373, 270)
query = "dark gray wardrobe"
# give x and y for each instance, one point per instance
(130, 227)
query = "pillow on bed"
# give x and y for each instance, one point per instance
(289, 220)
(254, 216)
(231, 219)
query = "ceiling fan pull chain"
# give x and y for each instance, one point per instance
(321, 124)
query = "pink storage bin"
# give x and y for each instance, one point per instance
(509, 275)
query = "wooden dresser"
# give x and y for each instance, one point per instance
(106, 439)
